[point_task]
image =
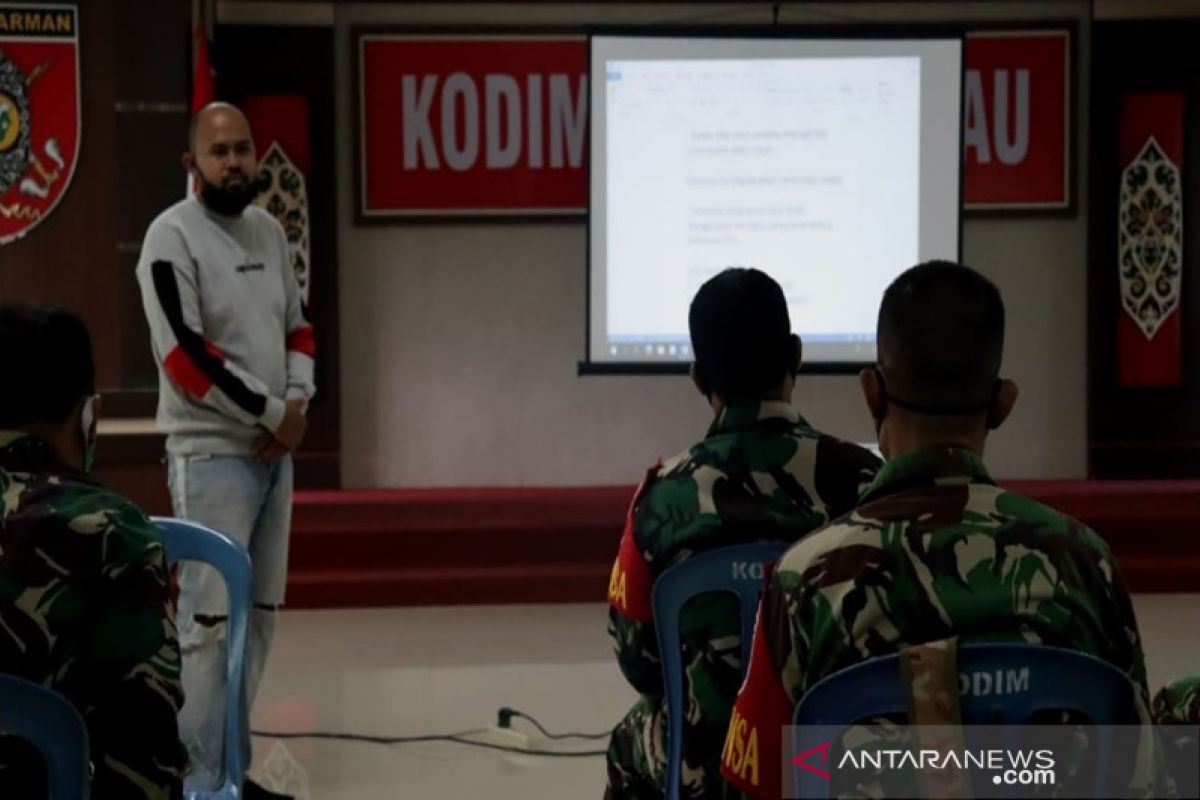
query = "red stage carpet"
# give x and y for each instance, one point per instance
(448, 546)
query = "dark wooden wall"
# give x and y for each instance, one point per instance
(135, 78)
(70, 257)
(134, 105)
(1140, 432)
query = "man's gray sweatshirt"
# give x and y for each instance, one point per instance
(227, 327)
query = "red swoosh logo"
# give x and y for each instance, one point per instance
(823, 749)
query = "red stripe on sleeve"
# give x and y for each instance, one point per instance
(187, 374)
(301, 341)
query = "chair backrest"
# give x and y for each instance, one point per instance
(185, 540)
(736, 569)
(999, 684)
(49, 722)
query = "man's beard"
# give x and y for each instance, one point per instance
(228, 202)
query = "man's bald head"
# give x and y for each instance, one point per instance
(216, 118)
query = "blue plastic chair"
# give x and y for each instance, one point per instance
(736, 569)
(49, 722)
(184, 540)
(1044, 679)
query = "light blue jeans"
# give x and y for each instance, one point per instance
(252, 503)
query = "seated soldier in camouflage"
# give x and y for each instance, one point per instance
(84, 605)
(761, 473)
(935, 549)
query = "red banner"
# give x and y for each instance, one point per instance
(472, 125)
(1150, 240)
(1016, 132)
(493, 124)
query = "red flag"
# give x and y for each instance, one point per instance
(203, 89)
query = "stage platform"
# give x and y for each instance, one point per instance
(555, 545)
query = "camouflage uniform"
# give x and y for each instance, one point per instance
(85, 610)
(935, 550)
(762, 473)
(1178, 703)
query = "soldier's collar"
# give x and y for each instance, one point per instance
(939, 466)
(739, 416)
(20, 452)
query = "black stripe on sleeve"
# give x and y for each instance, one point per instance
(192, 343)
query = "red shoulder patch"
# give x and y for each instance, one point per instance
(631, 583)
(754, 741)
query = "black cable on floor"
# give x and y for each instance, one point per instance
(508, 713)
(455, 738)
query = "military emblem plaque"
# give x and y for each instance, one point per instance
(39, 112)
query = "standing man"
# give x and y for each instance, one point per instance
(235, 360)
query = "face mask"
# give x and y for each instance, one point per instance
(950, 410)
(89, 441)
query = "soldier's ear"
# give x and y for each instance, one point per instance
(1006, 397)
(188, 160)
(698, 380)
(873, 393)
(797, 355)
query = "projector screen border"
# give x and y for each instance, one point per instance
(629, 368)
(867, 30)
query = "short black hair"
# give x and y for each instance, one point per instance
(48, 366)
(940, 336)
(741, 335)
